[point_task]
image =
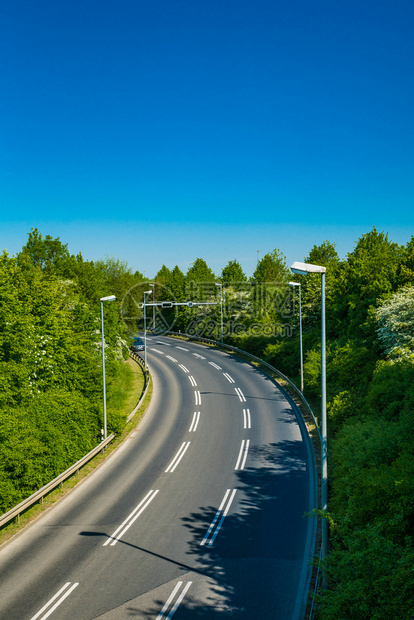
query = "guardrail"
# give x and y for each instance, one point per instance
(15, 512)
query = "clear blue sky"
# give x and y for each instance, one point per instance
(166, 130)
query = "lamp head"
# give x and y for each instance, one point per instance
(303, 269)
(108, 298)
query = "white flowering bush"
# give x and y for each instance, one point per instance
(395, 323)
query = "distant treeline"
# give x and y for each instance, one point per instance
(51, 380)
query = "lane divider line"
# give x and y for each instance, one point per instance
(192, 381)
(244, 448)
(62, 595)
(240, 395)
(194, 423)
(199, 356)
(177, 602)
(184, 368)
(171, 467)
(131, 518)
(182, 348)
(230, 379)
(197, 397)
(157, 351)
(247, 422)
(170, 357)
(215, 365)
(220, 515)
(166, 344)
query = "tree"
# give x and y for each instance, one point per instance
(233, 274)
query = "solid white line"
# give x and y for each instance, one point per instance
(247, 418)
(215, 365)
(194, 423)
(139, 509)
(180, 598)
(230, 379)
(220, 513)
(171, 467)
(170, 357)
(65, 595)
(240, 395)
(171, 598)
(182, 348)
(184, 368)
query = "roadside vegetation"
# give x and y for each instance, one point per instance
(51, 381)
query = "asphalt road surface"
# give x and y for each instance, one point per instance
(199, 514)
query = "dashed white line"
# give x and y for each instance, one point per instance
(170, 357)
(244, 448)
(184, 368)
(217, 522)
(194, 423)
(229, 379)
(177, 602)
(247, 422)
(120, 531)
(197, 397)
(192, 381)
(240, 395)
(166, 344)
(215, 365)
(182, 348)
(171, 467)
(62, 593)
(199, 356)
(157, 351)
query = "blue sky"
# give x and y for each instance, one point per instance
(167, 130)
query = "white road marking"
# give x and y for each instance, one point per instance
(199, 356)
(244, 448)
(220, 514)
(62, 598)
(125, 525)
(184, 368)
(194, 423)
(171, 467)
(240, 395)
(229, 379)
(171, 598)
(166, 344)
(157, 351)
(170, 357)
(197, 397)
(192, 381)
(247, 418)
(182, 348)
(215, 365)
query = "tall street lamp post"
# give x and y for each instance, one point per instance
(304, 269)
(153, 307)
(294, 284)
(221, 309)
(108, 298)
(145, 329)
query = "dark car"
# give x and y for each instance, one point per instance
(137, 345)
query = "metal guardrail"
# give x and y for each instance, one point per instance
(15, 512)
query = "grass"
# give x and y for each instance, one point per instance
(131, 382)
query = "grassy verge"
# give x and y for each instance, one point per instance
(135, 389)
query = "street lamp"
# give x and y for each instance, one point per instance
(294, 284)
(145, 330)
(304, 269)
(221, 309)
(153, 308)
(108, 298)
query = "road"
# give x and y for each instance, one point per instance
(200, 513)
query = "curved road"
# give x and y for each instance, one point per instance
(198, 515)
